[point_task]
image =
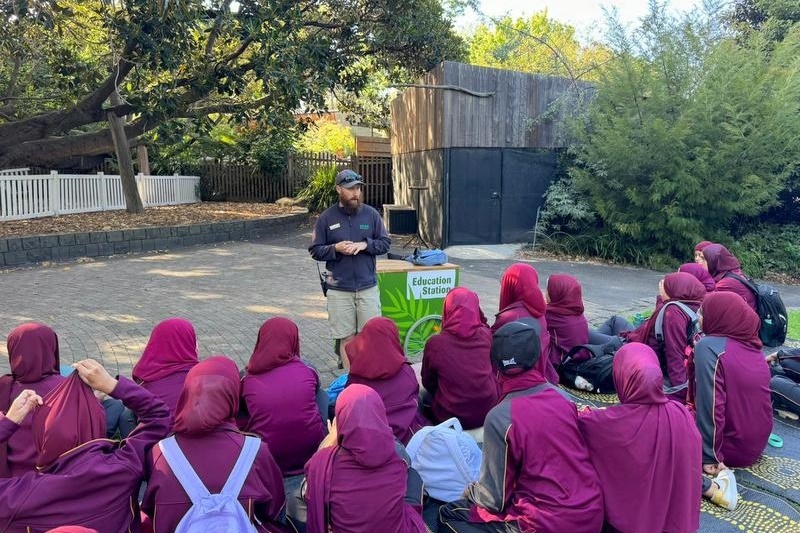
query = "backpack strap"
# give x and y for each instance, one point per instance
(744, 281)
(659, 327)
(237, 477)
(416, 441)
(183, 470)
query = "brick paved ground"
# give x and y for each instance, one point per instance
(106, 308)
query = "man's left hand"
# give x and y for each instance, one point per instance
(355, 247)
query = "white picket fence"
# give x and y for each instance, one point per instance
(30, 196)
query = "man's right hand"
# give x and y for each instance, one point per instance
(342, 247)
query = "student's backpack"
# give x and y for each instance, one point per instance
(427, 257)
(770, 309)
(692, 328)
(447, 459)
(212, 513)
(598, 370)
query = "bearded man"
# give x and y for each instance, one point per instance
(348, 236)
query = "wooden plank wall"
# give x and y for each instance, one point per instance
(417, 119)
(516, 116)
(513, 118)
(373, 147)
(422, 168)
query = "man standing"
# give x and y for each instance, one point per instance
(348, 236)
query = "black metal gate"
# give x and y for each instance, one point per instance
(492, 195)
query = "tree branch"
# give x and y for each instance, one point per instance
(48, 152)
(444, 88)
(86, 111)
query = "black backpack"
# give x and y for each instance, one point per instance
(770, 309)
(597, 370)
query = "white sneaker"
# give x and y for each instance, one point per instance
(727, 496)
(582, 384)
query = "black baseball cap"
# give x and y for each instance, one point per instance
(516, 346)
(348, 178)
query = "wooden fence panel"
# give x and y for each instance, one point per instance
(243, 183)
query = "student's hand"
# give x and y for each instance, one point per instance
(331, 438)
(772, 358)
(26, 402)
(93, 374)
(713, 469)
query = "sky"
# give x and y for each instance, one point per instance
(585, 15)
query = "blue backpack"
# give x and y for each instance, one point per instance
(427, 257)
(212, 513)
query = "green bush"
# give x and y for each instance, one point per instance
(689, 132)
(320, 191)
(769, 249)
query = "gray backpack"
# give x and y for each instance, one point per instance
(691, 331)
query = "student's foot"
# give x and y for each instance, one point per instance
(727, 495)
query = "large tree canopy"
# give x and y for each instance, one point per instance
(535, 44)
(61, 60)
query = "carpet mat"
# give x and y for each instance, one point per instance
(757, 512)
(778, 469)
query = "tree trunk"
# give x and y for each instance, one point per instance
(133, 202)
(144, 161)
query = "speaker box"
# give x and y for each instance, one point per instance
(400, 219)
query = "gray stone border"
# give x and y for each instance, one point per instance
(31, 250)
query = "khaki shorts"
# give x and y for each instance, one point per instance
(349, 311)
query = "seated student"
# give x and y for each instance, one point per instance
(785, 382)
(536, 474)
(280, 393)
(729, 384)
(34, 360)
(702, 275)
(520, 297)
(565, 321)
(678, 287)
(646, 451)
(207, 436)
(724, 267)
(82, 479)
(698, 251)
(377, 360)
(456, 370)
(357, 481)
(170, 353)
(120, 420)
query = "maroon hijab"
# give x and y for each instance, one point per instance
(364, 434)
(375, 353)
(566, 297)
(720, 261)
(646, 451)
(69, 416)
(32, 354)
(520, 285)
(278, 343)
(461, 313)
(172, 348)
(210, 397)
(700, 246)
(700, 273)
(678, 286)
(726, 314)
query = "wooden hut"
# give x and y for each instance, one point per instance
(474, 150)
